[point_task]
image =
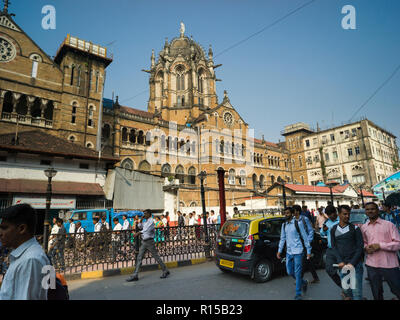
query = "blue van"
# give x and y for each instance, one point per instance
(86, 216)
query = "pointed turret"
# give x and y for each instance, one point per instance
(153, 59)
(210, 54)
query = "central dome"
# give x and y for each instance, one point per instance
(186, 47)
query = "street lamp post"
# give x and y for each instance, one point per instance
(202, 176)
(362, 197)
(282, 182)
(332, 185)
(50, 174)
(383, 194)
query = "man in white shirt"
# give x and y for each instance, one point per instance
(105, 223)
(97, 224)
(126, 225)
(116, 238)
(71, 226)
(53, 232)
(24, 277)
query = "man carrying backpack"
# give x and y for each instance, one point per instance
(296, 239)
(310, 235)
(347, 247)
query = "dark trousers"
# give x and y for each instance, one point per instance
(376, 276)
(148, 245)
(310, 267)
(330, 270)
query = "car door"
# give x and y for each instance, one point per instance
(269, 232)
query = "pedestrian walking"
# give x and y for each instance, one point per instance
(79, 240)
(116, 239)
(181, 226)
(147, 233)
(347, 248)
(302, 219)
(321, 218)
(159, 225)
(23, 279)
(305, 212)
(390, 215)
(381, 243)
(295, 237)
(71, 231)
(56, 251)
(53, 232)
(126, 227)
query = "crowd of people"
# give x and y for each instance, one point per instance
(374, 244)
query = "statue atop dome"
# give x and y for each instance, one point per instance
(182, 30)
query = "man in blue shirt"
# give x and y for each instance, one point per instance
(389, 215)
(296, 238)
(308, 227)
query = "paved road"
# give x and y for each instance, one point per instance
(204, 282)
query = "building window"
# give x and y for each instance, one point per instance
(359, 179)
(79, 77)
(326, 156)
(72, 75)
(242, 177)
(90, 120)
(353, 132)
(35, 65)
(97, 81)
(73, 118)
(357, 150)
(350, 152)
(307, 143)
(72, 139)
(300, 162)
(332, 137)
(231, 177)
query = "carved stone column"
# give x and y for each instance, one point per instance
(2, 94)
(15, 99)
(30, 101)
(43, 106)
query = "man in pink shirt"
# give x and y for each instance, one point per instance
(381, 242)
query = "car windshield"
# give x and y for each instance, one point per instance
(235, 228)
(358, 217)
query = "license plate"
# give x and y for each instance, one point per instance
(226, 263)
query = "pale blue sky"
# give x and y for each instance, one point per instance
(305, 68)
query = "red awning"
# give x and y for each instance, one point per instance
(58, 187)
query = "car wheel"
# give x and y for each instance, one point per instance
(263, 271)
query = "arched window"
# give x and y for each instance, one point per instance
(140, 138)
(124, 134)
(262, 181)
(72, 75)
(180, 174)
(221, 147)
(192, 175)
(166, 170)
(36, 110)
(74, 110)
(162, 143)
(22, 106)
(79, 77)
(144, 166)
(231, 176)
(255, 184)
(106, 131)
(148, 138)
(272, 180)
(7, 104)
(89, 145)
(72, 138)
(97, 81)
(90, 119)
(180, 77)
(48, 113)
(242, 177)
(132, 136)
(127, 164)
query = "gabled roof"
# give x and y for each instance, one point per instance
(43, 143)
(137, 112)
(304, 188)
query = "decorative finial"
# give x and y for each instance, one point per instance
(182, 30)
(153, 59)
(225, 94)
(166, 43)
(6, 3)
(210, 53)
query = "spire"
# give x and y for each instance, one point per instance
(166, 44)
(210, 53)
(153, 59)
(6, 3)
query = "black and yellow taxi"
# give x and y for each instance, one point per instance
(248, 244)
